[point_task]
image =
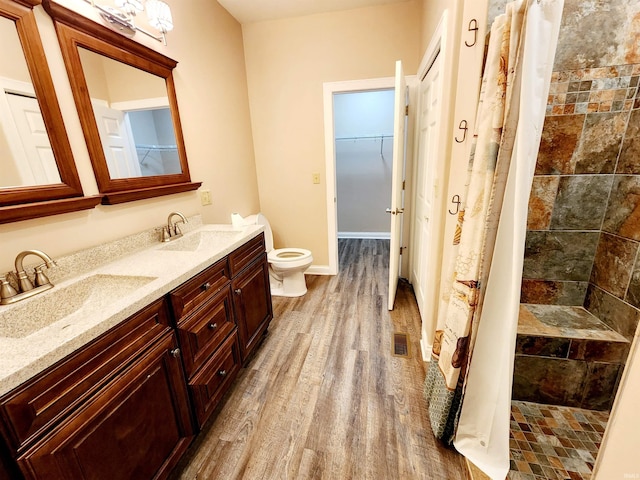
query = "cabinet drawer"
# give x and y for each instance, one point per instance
(214, 378)
(40, 402)
(193, 293)
(202, 333)
(247, 253)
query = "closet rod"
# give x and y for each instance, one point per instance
(159, 148)
(365, 137)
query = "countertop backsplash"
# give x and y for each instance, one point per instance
(83, 261)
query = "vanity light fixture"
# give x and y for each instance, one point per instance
(122, 16)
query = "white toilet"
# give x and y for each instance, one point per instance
(286, 265)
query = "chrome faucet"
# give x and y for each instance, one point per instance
(25, 287)
(172, 230)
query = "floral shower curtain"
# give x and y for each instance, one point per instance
(468, 382)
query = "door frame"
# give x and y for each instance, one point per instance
(355, 86)
(438, 46)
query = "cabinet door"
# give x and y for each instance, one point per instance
(31, 409)
(252, 304)
(136, 428)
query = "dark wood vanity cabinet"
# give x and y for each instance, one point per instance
(117, 408)
(127, 405)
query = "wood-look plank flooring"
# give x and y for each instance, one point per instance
(324, 398)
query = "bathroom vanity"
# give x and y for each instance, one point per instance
(128, 402)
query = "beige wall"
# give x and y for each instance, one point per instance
(212, 97)
(287, 62)
(431, 13)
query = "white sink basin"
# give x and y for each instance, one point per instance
(206, 239)
(83, 298)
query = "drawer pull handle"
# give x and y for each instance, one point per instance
(222, 373)
(206, 286)
(213, 326)
(175, 353)
(238, 291)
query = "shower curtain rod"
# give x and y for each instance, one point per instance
(365, 137)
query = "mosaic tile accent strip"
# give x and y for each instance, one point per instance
(590, 90)
(551, 442)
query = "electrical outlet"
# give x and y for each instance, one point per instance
(205, 197)
(316, 178)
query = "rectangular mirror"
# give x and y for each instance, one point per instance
(26, 156)
(38, 176)
(125, 96)
(134, 120)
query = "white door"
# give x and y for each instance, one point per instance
(426, 183)
(117, 141)
(397, 205)
(43, 169)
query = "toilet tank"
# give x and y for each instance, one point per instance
(260, 219)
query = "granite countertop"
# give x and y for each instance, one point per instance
(106, 295)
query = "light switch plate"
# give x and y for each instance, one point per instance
(205, 197)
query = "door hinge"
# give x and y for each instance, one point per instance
(406, 110)
(402, 248)
(403, 183)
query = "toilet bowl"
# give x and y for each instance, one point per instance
(286, 265)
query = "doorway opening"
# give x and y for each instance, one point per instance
(360, 129)
(363, 133)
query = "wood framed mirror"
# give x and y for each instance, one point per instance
(38, 176)
(121, 88)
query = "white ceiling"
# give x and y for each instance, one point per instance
(248, 11)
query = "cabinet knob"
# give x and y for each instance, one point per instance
(222, 373)
(238, 291)
(213, 326)
(175, 353)
(206, 286)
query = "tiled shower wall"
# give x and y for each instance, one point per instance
(584, 213)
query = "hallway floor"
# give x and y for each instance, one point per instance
(549, 442)
(324, 397)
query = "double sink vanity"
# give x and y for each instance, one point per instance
(111, 373)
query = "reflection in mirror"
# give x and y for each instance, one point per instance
(37, 173)
(126, 101)
(26, 157)
(132, 113)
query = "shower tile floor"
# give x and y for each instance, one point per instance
(553, 442)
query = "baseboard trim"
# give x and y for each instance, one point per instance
(319, 270)
(425, 350)
(367, 235)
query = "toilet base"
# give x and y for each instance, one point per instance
(292, 284)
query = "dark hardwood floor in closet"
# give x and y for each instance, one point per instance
(324, 397)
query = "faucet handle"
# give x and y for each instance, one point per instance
(176, 229)
(40, 278)
(6, 290)
(165, 234)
